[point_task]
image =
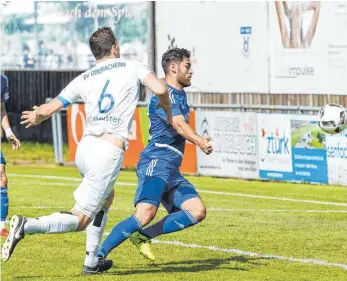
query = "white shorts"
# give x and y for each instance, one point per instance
(99, 163)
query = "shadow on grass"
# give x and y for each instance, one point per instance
(188, 266)
(169, 267)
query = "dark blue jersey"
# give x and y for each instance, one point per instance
(165, 143)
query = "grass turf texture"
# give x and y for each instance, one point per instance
(257, 225)
(31, 153)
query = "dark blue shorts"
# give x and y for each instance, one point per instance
(3, 161)
(161, 182)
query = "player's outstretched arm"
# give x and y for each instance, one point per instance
(178, 122)
(157, 86)
(39, 114)
(5, 123)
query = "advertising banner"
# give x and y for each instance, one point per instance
(54, 35)
(291, 148)
(76, 119)
(336, 146)
(138, 139)
(308, 49)
(234, 142)
(228, 43)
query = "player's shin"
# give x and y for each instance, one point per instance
(4, 206)
(118, 234)
(174, 222)
(95, 230)
(60, 222)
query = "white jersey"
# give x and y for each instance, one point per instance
(110, 91)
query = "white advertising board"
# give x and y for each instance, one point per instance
(234, 141)
(308, 47)
(228, 42)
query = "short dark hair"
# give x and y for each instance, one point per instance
(101, 42)
(173, 55)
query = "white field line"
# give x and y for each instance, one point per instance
(251, 254)
(202, 191)
(246, 253)
(62, 178)
(273, 198)
(275, 210)
(208, 209)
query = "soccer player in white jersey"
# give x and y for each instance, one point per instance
(110, 91)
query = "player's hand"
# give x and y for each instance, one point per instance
(14, 141)
(30, 118)
(205, 145)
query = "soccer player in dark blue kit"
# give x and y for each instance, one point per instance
(5, 124)
(159, 179)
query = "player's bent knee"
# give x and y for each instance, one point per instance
(145, 218)
(196, 208)
(145, 213)
(199, 213)
(83, 219)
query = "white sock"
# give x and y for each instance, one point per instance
(95, 230)
(2, 224)
(55, 223)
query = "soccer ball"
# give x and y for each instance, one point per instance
(332, 118)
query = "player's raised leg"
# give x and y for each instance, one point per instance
(185, 209)
(147, 200)
(145, 212)
(99, 171)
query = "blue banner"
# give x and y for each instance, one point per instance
(291, 148)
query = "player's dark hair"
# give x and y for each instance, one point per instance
(101, 42)
(173, 55)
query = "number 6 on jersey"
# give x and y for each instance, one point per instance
(103, 96)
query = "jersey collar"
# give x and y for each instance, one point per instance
(177, 91)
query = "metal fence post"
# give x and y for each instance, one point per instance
(55, 137)
(60, 145)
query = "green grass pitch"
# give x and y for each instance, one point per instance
(303, 238)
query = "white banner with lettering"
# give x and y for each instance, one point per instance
(234, 141)
(228, 42)
(308, 47)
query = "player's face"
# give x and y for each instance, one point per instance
(185, 73)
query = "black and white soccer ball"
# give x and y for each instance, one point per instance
(332, 118)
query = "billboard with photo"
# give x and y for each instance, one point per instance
(308, 50)
(234, 141)
(54, 35)
(291, 148)
(228, 43)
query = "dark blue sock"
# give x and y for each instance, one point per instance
(171, 223)
(4, 203)
(118, 234)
